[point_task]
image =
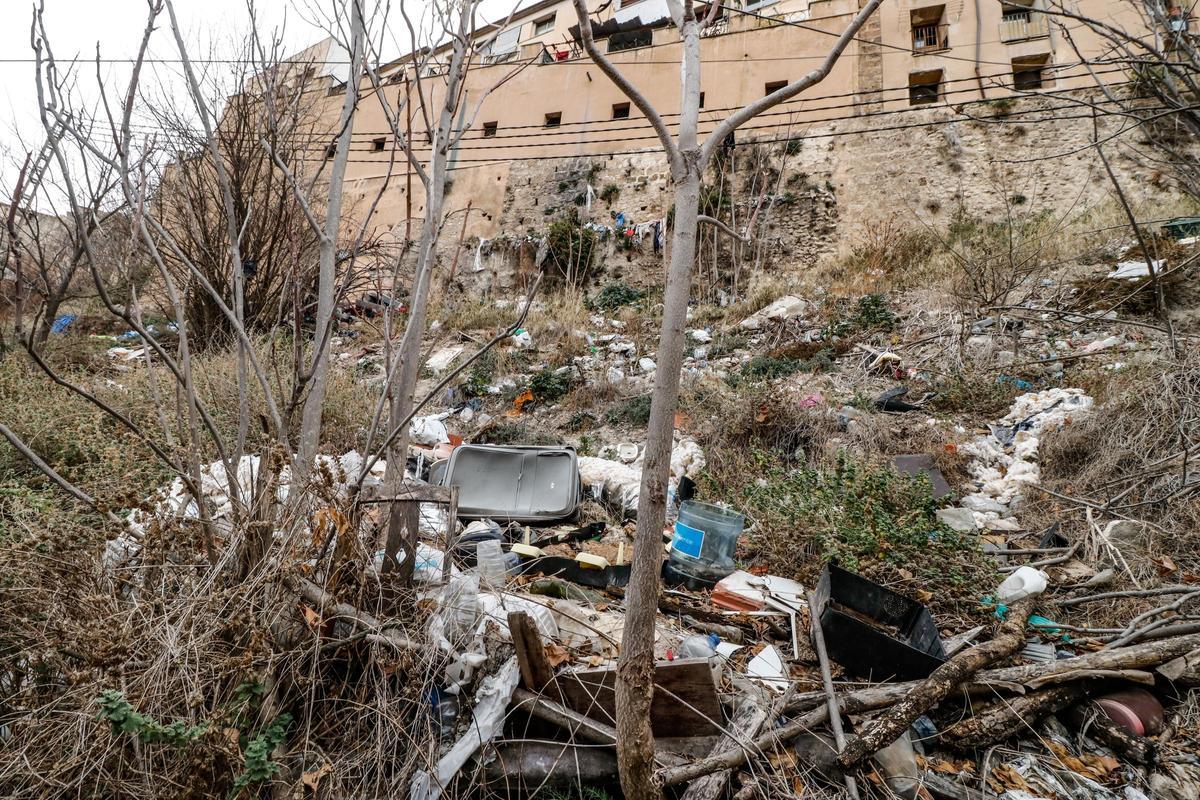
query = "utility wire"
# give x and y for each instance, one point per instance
(604, 126)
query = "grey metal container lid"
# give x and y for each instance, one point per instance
(514, 483)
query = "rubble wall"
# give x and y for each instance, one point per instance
(835, 181)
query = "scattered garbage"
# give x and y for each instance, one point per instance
(785, 308)
(1024, 582)
(922, 464)
(62, 323)
(1135, 710)
(1133, 269)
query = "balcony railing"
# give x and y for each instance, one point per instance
(1023, 25)
(930, 38)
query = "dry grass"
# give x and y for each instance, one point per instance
(225, 657)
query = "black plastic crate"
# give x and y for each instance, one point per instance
(858, 637)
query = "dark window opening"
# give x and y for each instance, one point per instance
(377, 144)
(489, 129)
(1029, 73)
(331, 150)
(702, 99)
(554, 119)
(924, 87)
(620, 111)
(628, 40)
(774, 86)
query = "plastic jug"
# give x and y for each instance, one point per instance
(705, 539)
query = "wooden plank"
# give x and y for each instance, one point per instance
(407, 493)
(535, 668)
(579, 725)
(685, 697)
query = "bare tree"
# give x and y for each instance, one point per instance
(687, 158)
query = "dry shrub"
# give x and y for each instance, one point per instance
(1127, 451)
(164, 676)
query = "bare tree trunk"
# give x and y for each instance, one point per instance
(310, 420)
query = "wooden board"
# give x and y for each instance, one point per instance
(685, 697)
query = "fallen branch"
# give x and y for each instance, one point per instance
(1006, 717)
(1146, 654)
(938, 686)
(376, 631)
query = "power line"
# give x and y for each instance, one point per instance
(650, 135)
(801, 137)
(605, 127)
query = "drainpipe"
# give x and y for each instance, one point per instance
(978, 45)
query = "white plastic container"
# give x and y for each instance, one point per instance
(492, 565)
(1025, 582)
(705, 539)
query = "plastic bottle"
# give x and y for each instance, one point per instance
(490, 560)
(698, 646)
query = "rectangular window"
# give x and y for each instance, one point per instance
(773, 86)
(929, 31)
(1020, 20)
(331, 150)
(377, 144)
(620, 111)
(554, 119)
(924, 87)
(505, 41)
(489, 129)
(702, 99)
(543, 25)
(1029, 72)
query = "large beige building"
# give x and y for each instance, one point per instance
(541, 100)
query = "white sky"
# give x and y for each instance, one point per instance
(213, 29)
(78, 27)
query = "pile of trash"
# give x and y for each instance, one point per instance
(848, 680)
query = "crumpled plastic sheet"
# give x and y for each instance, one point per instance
(174, 500)
(487, 720)
(620, 484)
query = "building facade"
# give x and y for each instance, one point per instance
(532, 96)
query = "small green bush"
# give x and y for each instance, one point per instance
(550, 385)
(634, 411)
(615, 295)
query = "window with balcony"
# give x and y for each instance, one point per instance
(924, 87)
(1020, 19)
(1029, 72)
(930, 33)
(543, 25)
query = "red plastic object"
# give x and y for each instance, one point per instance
(1135, 710)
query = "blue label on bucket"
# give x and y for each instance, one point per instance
(688, 540)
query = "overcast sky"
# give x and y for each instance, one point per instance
(214, 29)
